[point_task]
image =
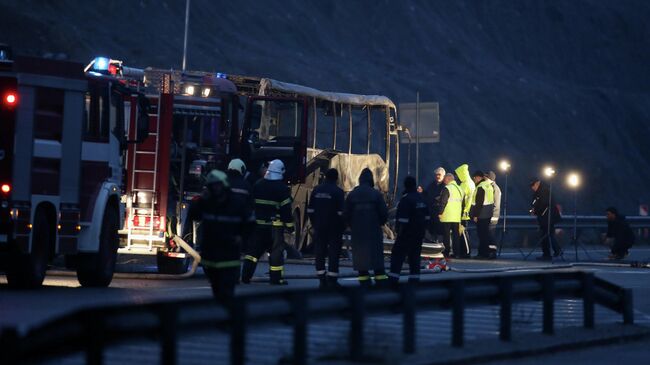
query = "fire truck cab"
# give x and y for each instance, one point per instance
(62, 149)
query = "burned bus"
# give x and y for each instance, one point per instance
(348, 132)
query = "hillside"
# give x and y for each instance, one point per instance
(565, 82)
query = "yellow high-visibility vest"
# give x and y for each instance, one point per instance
(489, 193)
(454, 208)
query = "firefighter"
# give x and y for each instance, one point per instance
(451, 210)
(224, 222)
(241, 191)
(366, 213)
(467, 186)
(325, 212)
(273, 216)
(410, 223)
(481, 214)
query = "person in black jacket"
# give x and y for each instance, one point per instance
(366, 213)
(620, 231)
(325, 212)
(410, 223)
(432, 198)
(273, 216)
(241, 190)
(224, 222)
(540, 208)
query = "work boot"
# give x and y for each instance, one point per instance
(322, 281)
(333, 282)
(276, 278)
(248, 269)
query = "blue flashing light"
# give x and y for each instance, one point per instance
(101, 63)
(221, 76)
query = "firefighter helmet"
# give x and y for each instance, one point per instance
(275, 170)
(216, 176)
(237, 165)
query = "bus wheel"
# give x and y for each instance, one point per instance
(96, 269)
(27, 271)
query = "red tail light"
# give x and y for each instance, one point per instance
(6, 188)
(11, 99)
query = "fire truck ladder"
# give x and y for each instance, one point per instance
(135, 189)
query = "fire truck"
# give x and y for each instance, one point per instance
(199, 121)
(64, 138)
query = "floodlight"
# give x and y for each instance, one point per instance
(549, 171)
(504, 165)
(573, 180)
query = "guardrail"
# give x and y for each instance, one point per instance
(92, 330)
(582, 221)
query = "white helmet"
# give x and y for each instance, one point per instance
(275, 170)
(237, 165)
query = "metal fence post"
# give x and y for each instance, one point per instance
(356, 324)
(300, 311)
(408, 322)
(10, 345)
(627, 305)
(505, 314)
(237, 332)
(588, 299)
(548, 298)
(168, 319)
(457, 295)
(95, 343)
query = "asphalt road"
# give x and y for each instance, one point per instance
(62, 294)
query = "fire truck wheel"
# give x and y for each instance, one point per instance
(27, 271)
(96, 269)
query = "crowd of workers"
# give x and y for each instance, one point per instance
(239, 216)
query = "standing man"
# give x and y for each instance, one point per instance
(492, 178)
(481, 214)
(467, 186)
(366, 213)
(273, 215)
(619, 230)
(241, 190)
(451, 205)
(325, 212)
(410, 223)
(541, 206)
(225, 221)
(432, 198)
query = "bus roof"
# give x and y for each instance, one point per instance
(343, 98)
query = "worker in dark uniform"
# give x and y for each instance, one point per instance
(224, 222)
(325, 212)
(241, 191)
(273, 216)
(541, 207)
(618, 230)
(366, 213)
(411, 222)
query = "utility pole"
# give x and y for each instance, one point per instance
(187, 23)
(417, 138)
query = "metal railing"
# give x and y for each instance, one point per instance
(582, 221)
(91, 331)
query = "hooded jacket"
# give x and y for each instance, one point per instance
(412, 216)
(467, 186)
(366, 213)
(540, 205)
